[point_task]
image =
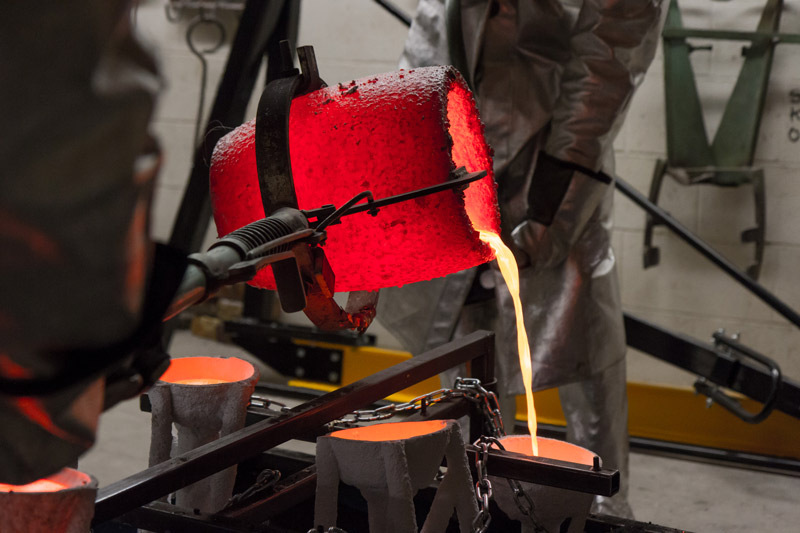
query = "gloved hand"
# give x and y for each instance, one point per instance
(562, 199)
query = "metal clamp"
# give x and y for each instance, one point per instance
(273, 161)
(715, 394)
(305, 282)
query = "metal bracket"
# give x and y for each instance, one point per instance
(740, 352)
(727, 161)
(300, 280)
(757, 235)
(273, 160)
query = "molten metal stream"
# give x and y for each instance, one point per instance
(510, 272)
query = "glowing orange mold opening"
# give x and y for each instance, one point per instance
(67, 478)
(550, 448)
(391, 431)
(207, 370)
(391, 133)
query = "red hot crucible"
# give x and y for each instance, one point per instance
(390, 134)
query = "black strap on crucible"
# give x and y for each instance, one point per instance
(273, 161)
(550, 183)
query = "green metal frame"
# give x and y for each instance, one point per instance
(726, 161)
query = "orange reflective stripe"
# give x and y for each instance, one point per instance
(35, 412)
(10, 369)
(37, 241)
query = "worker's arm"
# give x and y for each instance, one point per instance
(612, 43)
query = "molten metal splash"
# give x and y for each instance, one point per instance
(510, 271)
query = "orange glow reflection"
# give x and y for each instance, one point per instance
(68, 478)
(550, 448)
(41, 485)
(471, 151)
(199, 381)
(391, 431)
(510, 271)
(207, 370)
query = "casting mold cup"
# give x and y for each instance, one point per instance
(202, 399)
(389, 464)
(555, 509)
(61, 503)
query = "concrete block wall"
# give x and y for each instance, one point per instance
(686, 292)
(355, 38)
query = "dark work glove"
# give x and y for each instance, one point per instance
(562, 199)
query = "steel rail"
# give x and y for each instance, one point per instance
(708, 252)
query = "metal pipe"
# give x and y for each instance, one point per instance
(706, 250)
(550, 472)
(731, 35)
(752, 380)
(395, 11)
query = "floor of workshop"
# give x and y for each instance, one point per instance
(669, 492)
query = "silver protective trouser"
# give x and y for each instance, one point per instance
(553, 77)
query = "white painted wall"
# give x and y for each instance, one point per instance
(686, 292)
(355, 38)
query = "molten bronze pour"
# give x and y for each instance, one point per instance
(554, 509)
(203, 399)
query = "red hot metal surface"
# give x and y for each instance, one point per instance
(391, 133)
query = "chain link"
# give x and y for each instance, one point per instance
(266, 403)
(522, 499)
(472, 390)
(265, 481)
(468, 388)
(483, 487)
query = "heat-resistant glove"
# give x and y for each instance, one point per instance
(563, 198)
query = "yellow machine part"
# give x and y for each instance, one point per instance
(361, 361)
(679, 415)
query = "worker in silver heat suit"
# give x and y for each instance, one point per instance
(552, 79)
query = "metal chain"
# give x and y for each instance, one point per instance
(468, 388)
(265, 481)
(263, 402)
(483, 487)
(522, 499)
(472, 390)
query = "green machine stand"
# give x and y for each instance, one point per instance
(727, 161)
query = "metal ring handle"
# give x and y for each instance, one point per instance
(731, 404)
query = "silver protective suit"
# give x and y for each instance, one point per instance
(76, 95)
(554, 77)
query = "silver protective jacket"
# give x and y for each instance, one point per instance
(554, 77)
